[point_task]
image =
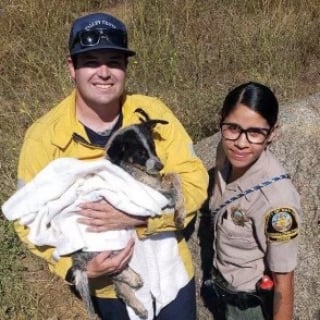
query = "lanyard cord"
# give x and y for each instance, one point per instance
(255, 188)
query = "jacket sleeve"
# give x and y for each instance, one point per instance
(35, 156)
(176, 151)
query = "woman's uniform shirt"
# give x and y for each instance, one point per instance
(59, 134)
(258, 231)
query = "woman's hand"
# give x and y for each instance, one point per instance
(102, 216)
(109, 262)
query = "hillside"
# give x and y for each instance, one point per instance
(189, 54)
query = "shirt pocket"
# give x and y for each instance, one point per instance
(241, 237)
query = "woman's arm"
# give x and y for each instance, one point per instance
(283, 295)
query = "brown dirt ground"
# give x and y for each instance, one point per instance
(55, 301)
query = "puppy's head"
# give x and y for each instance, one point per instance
(134, 145)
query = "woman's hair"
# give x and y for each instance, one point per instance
(256, 97)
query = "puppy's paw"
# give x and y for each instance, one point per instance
(143, 313)
(172, 184)
(179, 217)
(136, 281)
(130, 277)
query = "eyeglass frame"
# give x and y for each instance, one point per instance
(245, 131)
(102, 33)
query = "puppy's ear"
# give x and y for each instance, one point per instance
(152, 123)
(149, 123)
(144, 114)
(115, 150)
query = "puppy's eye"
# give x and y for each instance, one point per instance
(140, 157)
(143, 153)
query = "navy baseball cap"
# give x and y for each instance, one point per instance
(98, 31)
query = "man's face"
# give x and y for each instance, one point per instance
(99, 77)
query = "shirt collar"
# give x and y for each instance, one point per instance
(255, 173)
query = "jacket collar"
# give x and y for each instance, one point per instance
(68, 123)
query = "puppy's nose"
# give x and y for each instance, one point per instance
(158, 165)
(153, 166)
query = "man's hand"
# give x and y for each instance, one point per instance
(102, 216)
(108, 262)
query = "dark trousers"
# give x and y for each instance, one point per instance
(182, 308)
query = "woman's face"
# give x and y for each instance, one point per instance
(240, 152)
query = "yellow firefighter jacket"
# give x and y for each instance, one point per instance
(59, 134)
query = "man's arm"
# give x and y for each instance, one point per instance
(102, 216)
(30, 164)
(34, 156)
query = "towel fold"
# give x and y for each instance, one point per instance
(48, 205)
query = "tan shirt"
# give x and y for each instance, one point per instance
(257, 231)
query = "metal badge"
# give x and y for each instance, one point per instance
(239, 216)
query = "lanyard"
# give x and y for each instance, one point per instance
(250, 190)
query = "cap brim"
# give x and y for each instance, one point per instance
(78, 50)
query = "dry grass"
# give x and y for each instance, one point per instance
(189, 54)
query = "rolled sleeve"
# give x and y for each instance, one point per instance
(282, 256)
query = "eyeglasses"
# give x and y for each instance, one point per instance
(93, 37)
(232, 131)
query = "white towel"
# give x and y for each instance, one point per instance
(48, 206)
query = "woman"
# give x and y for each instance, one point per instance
(255, 211)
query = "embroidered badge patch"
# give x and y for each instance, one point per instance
(281, 224)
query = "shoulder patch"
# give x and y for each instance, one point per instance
(281, 224)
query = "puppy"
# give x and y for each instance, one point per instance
(133, 149)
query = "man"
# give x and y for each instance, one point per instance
(80, 126)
